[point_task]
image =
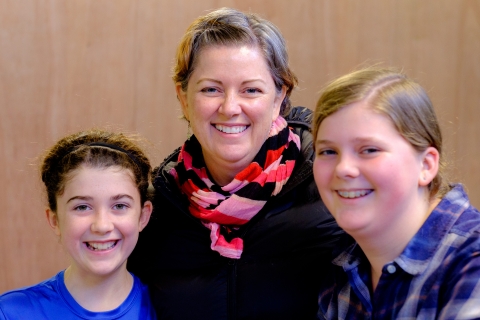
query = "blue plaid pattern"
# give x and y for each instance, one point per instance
(437, 276)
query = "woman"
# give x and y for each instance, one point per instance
(239, 230)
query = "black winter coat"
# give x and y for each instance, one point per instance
(287, 247)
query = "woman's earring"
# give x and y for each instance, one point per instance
(189, 131)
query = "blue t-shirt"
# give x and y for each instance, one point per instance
(50, 299)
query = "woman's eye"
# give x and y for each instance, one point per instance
(209, 90)
(252, 90)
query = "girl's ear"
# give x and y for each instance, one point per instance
(182, 97)
(53, 221)
(145, 215)
(430, 166)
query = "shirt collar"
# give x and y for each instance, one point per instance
(420, 250)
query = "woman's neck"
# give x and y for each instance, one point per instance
(222, 173)
(221, 177)
(98, 293)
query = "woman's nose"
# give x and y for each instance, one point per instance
(101, 222)
(230, 105)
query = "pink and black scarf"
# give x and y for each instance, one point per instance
(224, 209)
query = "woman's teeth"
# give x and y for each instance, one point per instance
(353, 194)
(225, 129)
(98, 246)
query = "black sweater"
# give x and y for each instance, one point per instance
(287, 247)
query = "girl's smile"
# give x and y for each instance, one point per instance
(101, 246)
(354, 194)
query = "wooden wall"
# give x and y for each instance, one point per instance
(67, 65)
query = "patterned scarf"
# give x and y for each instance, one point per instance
(224, 209)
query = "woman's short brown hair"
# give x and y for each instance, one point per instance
(230, 27)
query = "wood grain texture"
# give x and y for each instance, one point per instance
(67, 65)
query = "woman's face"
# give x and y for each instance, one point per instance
(231, 102)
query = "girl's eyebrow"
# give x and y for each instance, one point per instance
(85, 198)
(120, 196)
(89, 198)
(323, 142)
(367, 139)
(360, 139)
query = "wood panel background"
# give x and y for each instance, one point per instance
(67, 65)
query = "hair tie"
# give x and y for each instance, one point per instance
(92, 144)
(112, 146)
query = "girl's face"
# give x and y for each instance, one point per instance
(368, 175)
(231, 102)
(98, 219)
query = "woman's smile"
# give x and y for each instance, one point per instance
(230, 129)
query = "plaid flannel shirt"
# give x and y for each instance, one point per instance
(437, 276)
